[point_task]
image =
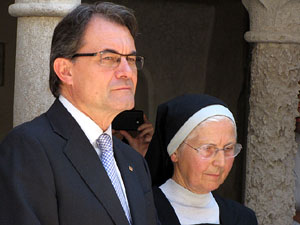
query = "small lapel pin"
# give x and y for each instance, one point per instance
(130, 168)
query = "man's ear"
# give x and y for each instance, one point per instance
(174, 156)
(62, 68)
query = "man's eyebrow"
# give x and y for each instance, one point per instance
(114, 51)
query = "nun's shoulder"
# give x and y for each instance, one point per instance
(234, 213)
(165, 211)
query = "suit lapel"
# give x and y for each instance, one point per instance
(86, 162)
(133, 190)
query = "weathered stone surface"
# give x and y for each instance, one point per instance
(42, 8)
(32, 94)
(273, 21)
(275, 73)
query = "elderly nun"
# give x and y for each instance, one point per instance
(190, 155)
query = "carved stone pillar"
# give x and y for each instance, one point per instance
(36, 22)
(271, 147)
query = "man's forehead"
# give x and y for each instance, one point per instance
(101, 34)
(100, 27)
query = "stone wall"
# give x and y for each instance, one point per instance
(271, 145)
(275, 72)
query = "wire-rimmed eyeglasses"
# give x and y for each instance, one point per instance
(112, 59)
(208, 151)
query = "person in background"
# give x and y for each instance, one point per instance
(190, 155)
(64, 167)
(139, 140)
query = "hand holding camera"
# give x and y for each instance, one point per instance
(137, 133)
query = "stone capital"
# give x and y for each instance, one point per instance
(42, 8)
(275, 21)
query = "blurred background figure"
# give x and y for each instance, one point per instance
(138, 139)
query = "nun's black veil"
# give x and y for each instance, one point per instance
(171, 115)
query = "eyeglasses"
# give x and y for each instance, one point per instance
(208, 151)
(112, 59)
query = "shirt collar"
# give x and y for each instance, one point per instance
(88, 126)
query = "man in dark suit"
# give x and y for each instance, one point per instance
(52, 169)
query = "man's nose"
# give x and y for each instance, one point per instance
(124, 70)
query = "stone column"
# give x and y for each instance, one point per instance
(36, 22)
(271, 146)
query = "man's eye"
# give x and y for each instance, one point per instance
(131, 59)
(108, 58)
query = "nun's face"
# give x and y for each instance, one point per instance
(204, 175)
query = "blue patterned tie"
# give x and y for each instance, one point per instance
(104, 143)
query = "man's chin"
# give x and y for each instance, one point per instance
(125, 105)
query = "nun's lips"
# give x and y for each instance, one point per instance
(213, 175)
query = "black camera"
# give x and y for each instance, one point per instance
(128, 120)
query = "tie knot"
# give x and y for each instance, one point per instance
(104, 142)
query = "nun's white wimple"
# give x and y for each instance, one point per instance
(194, 120)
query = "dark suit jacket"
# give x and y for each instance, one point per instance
(231, 212)
(50, 174)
